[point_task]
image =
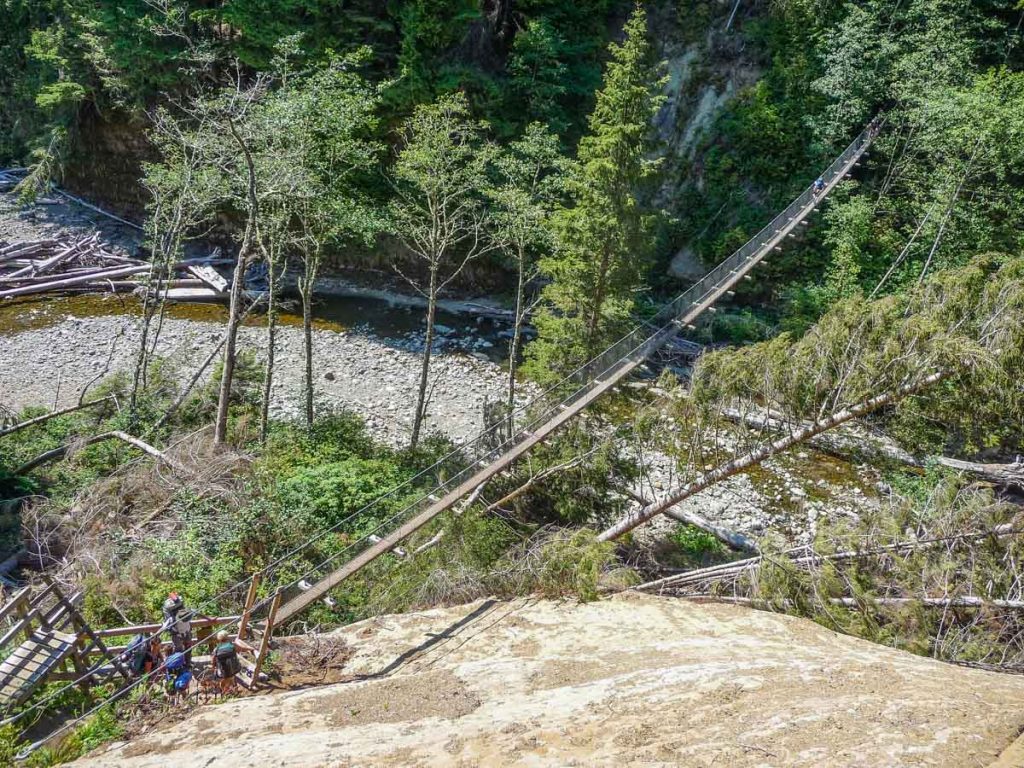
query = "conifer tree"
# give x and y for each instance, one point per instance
(606, 237)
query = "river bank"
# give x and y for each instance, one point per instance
(367, 341)
(374, 377)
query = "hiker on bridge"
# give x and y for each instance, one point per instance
(178, 622)
(819, 186)
(226, 663)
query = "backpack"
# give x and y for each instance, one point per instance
(137, 653)
(182, 680)
(227, 660)
(178, 673)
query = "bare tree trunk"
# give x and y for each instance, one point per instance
(428, 343)
(268, 376)
(234, 309)
(997, 474)
(513, 353)
(307, 342)
(199, 373)
(730, 538)
(230, 345)
(734, 467)
(310, 268)
(53, 414)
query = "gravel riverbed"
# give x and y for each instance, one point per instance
(373, 377)
(49, 355)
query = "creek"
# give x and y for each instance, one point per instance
(396, 324)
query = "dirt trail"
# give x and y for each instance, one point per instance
(633, 680)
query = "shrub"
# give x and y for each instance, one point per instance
(571, 563)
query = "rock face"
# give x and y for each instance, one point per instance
(629, 681)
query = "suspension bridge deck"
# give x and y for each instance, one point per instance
(609, 369)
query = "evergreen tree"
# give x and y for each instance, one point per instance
(606, 237)
(537, 76)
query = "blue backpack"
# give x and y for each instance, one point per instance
(178, 673)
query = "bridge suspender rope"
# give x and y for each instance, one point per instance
(608, 369)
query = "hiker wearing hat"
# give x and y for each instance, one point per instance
(178, 623)
(226, 662)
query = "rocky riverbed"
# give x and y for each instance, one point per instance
(52, 350)
(373, 377)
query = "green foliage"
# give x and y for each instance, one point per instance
(606, 237)
(965, 322)
(830, 67)
(537, 76)
(572, 564)
(330, 492)
(695, 547)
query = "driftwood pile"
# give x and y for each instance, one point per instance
(89, 266)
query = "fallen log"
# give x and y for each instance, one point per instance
(56, 285)
(60, 452)
(98, 275)
(210, 277)
(847, 446)
(799, 556)
(42, 266)
(97, 209)
(853, 602)
(730, 538)
(754, 458)
(52, 415)
(997, 474)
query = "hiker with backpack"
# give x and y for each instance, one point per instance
(178, 622)
(143, 654)
(226, 663)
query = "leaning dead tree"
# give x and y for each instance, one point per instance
(958, 337)
(63, 450)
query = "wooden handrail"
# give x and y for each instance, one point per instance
(25, 622)
(11, 605)
(149, 629)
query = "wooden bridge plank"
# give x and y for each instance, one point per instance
(31, 662)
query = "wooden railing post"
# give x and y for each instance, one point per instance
(268, 632)
(250, 598)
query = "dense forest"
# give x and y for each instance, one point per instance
(584, 162)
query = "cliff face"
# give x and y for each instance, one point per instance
(707, 64)
(106, 163)
(633, 680)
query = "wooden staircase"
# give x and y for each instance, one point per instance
(47, 650)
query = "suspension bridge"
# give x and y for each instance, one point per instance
(490, 452)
